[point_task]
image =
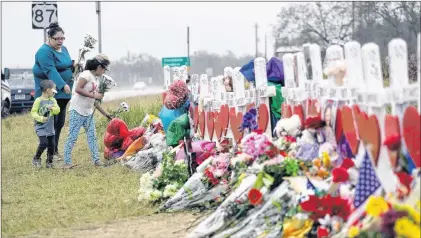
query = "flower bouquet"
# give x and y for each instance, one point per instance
(265, 220)
(88, 45)
(148, 158)
(167, 180)
(224, 213)
(205, 188)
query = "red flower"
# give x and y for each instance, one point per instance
(337, 206)
(255, 196)
(393, 142)
(290, 139)
(320, 207)
(283, 153)
(405, 179)
(313, 122)
(340, 175)
(258, 131)
(347, 163)
(322, 232)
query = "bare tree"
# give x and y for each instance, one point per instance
(314, 22)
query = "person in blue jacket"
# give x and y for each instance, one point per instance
(53, 62)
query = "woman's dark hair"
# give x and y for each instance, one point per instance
(53, 29)
(92, 64)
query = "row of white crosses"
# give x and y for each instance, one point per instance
(363, 86)
(213, 94)
(179, 73)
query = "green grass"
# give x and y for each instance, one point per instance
(41, 199)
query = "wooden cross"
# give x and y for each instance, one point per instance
(263, 92)
(167, 77)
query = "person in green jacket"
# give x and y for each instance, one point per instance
(43, 111)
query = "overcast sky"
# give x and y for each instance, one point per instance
(159, 29)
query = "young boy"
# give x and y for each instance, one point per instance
(43, 111)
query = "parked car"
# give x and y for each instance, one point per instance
(139, 86)
(22, 92)
(6, 99)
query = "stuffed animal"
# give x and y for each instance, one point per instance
(288, 127)
(309, 141)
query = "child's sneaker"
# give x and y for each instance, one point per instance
(67, 166)
(49, 165)
(98, 164)
(36, 163)
(57, 157)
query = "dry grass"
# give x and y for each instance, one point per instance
(34, 200)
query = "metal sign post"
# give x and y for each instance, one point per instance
(43, 14)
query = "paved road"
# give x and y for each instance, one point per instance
(119, 93)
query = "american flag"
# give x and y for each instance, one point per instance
(310, 185)
(368, 182)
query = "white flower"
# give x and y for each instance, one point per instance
(301, 216)
(170, 190)
(326, 221)
(155, 195)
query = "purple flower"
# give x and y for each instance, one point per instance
(247, 116)
(253, 111)
(388, 221)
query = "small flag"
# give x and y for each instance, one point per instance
(310, 185)
(368, 182)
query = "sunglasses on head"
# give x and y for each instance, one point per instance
(58, 38)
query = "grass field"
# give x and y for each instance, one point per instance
(41, 199)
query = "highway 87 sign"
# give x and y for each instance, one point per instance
(43, 13)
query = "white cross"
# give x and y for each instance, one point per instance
(263, 91)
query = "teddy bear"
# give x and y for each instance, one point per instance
(310, 139)
(288, 127)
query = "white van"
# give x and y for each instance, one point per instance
(6, 100)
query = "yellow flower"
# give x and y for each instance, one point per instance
(353, 231)
(376, 206)
(296, 229)
(418, 205)
(405, 227)
(326, 159)
(415, 215)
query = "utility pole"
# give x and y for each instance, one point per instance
(45, 31)
(353, 20)
(98, 12)
(266, 47)
(257, 39)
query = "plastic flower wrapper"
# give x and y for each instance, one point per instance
(265, 220)
(242, 207)
(204, 188)
(144, 161)
(224, 213)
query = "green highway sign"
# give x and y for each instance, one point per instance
(176, 61)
